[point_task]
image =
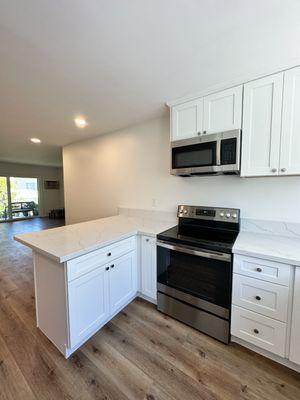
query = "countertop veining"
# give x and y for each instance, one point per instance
(272, 247)
(70, 241)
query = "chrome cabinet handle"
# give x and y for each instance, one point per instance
(283, 170)
(274, 170)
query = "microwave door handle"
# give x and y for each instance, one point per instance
(200, 253)
(218, 151)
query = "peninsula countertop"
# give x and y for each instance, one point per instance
(283, 249)
(71, 241)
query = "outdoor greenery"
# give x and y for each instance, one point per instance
(19, 193)
(3, 196)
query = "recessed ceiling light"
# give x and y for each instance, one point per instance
(80, 122)
(35, 140)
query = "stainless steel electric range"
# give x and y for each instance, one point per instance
(194, 268)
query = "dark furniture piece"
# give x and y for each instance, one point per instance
(22, 207)
(57, 213)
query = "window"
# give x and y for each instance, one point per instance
(30, 185)
(18, 198)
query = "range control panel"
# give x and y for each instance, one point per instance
(209, 213)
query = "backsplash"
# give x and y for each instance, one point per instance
(279, 228)
(271, 227)
(157, 215)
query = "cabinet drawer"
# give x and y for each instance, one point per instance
(265, 270)
(261, 331)
(263, 297)
(84, 264)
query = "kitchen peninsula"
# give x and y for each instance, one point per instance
(86, 273)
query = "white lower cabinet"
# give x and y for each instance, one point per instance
(261, 303)
(148, 267)
(264, 270)
(294, 355)
(88, 304)
(262, 297)
(122, 281)
(259, 330)
(96, 296)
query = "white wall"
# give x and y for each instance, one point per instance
(130, 168)
(48, 199)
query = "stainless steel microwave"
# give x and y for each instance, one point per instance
(213, 154)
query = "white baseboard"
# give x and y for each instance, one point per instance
(142, 296)
(265, 353)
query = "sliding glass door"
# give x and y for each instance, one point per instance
(4, 212)
(19, 198)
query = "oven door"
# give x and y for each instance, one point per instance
(198, 277)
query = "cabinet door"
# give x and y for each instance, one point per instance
(187, 120)
(295, 334)
(148, 267)
(88, 304)
(290, 136)
(223, 110)
(262, 126)
(122, 281)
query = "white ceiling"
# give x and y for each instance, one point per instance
(119, 61)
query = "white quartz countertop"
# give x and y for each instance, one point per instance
(70, 241)
(272, 247)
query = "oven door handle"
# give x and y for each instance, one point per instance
(200, 253)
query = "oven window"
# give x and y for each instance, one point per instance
(204, 278)
(196, 155)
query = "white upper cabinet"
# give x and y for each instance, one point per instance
(217, 112)
(223, 110)
(267, 109)
(187, 120)
(290, 139)
(262, 126)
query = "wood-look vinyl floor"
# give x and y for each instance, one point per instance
(140, 354)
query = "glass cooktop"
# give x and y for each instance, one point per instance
(206, 238)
